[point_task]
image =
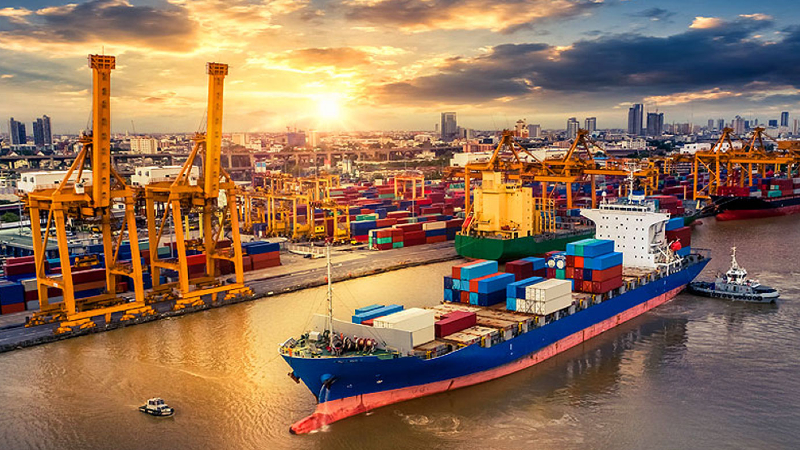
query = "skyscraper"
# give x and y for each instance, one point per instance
(16, 130)
(655, 124)
(785, 119)
(796, 127)
(720, 124)
(738, 125)
(47, 133)
(635, 118)
(535, 130)
(38, 135)
(449, 126)
(710, 124)
(591, 124)
(572, 128)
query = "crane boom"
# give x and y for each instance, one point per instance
(213, 151)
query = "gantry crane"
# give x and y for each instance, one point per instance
(722, 162)
(88, 203)
(182, 197)
(401, 183)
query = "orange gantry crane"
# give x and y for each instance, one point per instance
(94, 203)
(182, 197)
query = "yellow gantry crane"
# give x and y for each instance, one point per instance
(183, 197)
(88, 203)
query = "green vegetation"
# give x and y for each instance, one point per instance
(9, 217)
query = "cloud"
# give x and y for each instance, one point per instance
(696, 65)
(96, 23)
(702, 23)
(495, 15)
(655, 14)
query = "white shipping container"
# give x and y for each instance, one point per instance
(544, 308)
(548, 289)
(411, 319)
(31, 181)
(796, 191)
(755, 194)
(29, 284)
(32, 305)
(423, 336)
(434, 225)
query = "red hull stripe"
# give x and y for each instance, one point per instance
(335, 410)
(734, 214)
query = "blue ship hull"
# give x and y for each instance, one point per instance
(365, 376)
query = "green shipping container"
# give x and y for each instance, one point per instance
(561, 274)
(771, 194)
(386, 240)
(386, 196)
(397, 245)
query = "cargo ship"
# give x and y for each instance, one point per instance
(769, 198)
(492, 324)
(507, 222)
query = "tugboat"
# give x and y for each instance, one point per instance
(157, 407)
(734, 285)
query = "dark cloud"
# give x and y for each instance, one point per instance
(627, 66)
(106, 21)
(655, 14)
(506, 16)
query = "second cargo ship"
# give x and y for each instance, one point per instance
(504, 324)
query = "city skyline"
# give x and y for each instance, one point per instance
(393, 65)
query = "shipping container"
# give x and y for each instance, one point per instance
(548, 289)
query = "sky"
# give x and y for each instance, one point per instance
(397, 64)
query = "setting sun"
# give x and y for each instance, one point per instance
(328, 108)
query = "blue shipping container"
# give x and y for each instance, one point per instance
(448, 282)
(538, 263)
(674, 223)
(379, 312)
(478, 270)
(495, 283)
(598, 247)
(603, 262)
(364, 309)
(517, 288)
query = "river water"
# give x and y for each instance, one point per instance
(695, 373)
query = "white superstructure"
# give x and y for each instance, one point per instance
(638, 231)
(149, 174)
(31, 181)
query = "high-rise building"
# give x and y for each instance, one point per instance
(521, 128)
(655, 124)
(635, 118)
(313, 138)
(738, 125)
(16, 130)
(449, 127)
(796, 127)
(38, 135)
(296, 139)
(590, 124)
(720, 124)
(710, 124)
(773, 123)
(535, 130)
(239, 139)
(572, 128)
(785, 119)
(144, 145)
(47, 134)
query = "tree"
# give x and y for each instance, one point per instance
(9, 217)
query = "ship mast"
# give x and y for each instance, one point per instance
(330, 291)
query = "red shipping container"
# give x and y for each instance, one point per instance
(465, 297)
(414, 235)
(409, 227)
(12, 308)
(683, 235)
(586, 286)
(31, 295)
(196, 260)
(551, 272)
(601, 287)
(577, 274)
(368, 322)
(385, 223)
(607, 274)
(435, 239)
(22, 268)
(383, 246)
(454, 322)
(269, 256)
(570, 261)
(578, 262)
(569, 272)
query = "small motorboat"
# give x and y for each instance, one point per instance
(734, 285)
(157, 407)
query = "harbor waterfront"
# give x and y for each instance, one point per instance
(692, 373)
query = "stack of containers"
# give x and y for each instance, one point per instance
(490, 289)
(196, 265)
(12, 297)
(261, 255)
(454, 322)
(516, 290)
(546, 297)
(416, 321)
(435, 232)
(457, 286)
(89, 283)
(374, 311)
(19, 268)
(527, 267)
(594, 266)
(796, 186)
